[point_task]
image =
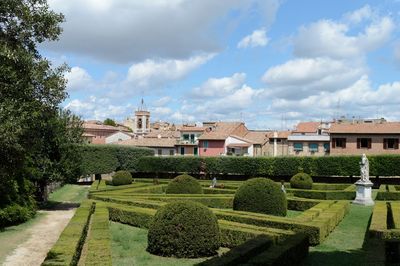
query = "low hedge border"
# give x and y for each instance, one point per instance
(388, 192)
(68, 247)
(323, 194)
(385, 221)
(120, 189)
(261, 251)
(99, 239)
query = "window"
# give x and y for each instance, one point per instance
(326, 147)
(313, 147)
(364, 143)
(298, 146)
(171, 152)
(195, 151)
(391, 144)
(185, 136)
(159, 152)
(278, 140)
(182, 150)
(205, 144)
(339, 143)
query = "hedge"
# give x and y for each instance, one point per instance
(385, 221)
(68, 247)
(380, 165)
(99, 239)
(323, 194)
(104, 159)
(388, 192)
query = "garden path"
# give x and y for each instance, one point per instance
(41, 237)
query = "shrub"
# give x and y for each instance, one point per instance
(184, 184)
(122, 178)
(15, 214)
(184, 229)
(260, 195)
(301, 180)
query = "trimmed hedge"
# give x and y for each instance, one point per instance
(388, 192)
(99, 240)
(122, 178)
(260, 195)
(385, 221)
(380, 165)
(68, 247)
(104, 159)
(184, 230)
(323, 194)
(302, 181)
(184, 184)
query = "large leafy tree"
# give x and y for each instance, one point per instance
(36, 136)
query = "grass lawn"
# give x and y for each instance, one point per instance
(129, 245)
(292, 214)
(11, 237)
(348, 244)
(70, 193)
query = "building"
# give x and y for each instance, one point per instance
(309, 138)
(161, 146)
(277, 144)
(96, 133)
(188, 143)
(118, 136)
(140, 124)
(260, 141)
(369, 137)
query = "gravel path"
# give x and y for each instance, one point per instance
(42, 237)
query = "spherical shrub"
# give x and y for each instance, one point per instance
(122, 178)
(184, 184)
(301, 180)
(184, 229)
(260, 195)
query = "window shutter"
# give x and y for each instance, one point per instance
(334, 143)
(344, 143)
(358, 143)
(385, 144)
(369, 143)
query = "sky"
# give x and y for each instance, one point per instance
(268, 63)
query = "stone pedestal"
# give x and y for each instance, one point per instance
(364, 193)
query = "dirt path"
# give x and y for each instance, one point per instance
(42, 237)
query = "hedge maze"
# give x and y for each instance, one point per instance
(137, 203)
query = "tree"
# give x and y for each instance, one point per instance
(36, 137)
(110, 122)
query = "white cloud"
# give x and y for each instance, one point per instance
(162, 101)
(306, 76)
(257, 38)
(153, 74)
(332, 39)
(359, 15)
(78, 79)
(125, 31)
(217, 87)
(160, 111)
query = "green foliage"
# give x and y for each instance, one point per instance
(184, 229)
(15, 214)
(184, 184)
(109, 122)
(122, 178)
(260, 195)
(103, 159)
(68, 247)
(301, 180)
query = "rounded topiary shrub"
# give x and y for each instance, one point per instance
(184, 229)
(184, 184)
(260, 195)
(122, 178)
(301, 180)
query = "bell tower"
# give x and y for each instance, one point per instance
(141, 125)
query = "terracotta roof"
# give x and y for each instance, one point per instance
(257, 137)
(221, 131)
(88, 125)
(366, 128)
(281, 134)
(239, 145)
(307, 127)
(150, 142)
(88, 135)
(192, 129)
(164, 134)
(242, 139)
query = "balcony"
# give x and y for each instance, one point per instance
(188, 142)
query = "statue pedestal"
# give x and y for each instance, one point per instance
(364, 193)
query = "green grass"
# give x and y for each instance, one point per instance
(292, 214)
(348, 243)
(69, 193)
(128, 245)
(11, 237)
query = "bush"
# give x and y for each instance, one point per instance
(122, 178)
(184, 229)
(15, 214)
(260, 195)
(184, 184)
(301, 180)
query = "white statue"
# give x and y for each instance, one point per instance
(364, 168)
